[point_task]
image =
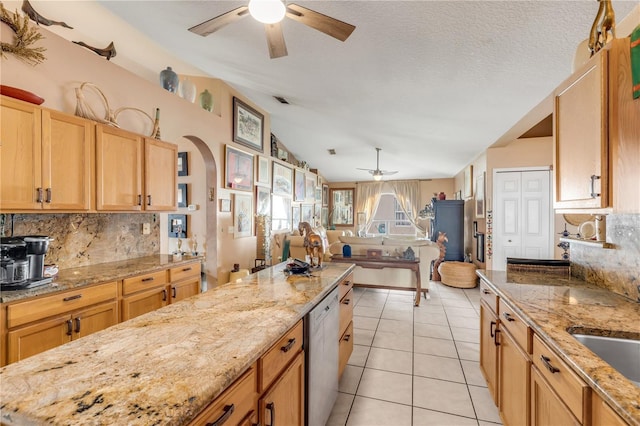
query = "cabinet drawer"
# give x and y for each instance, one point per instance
(235, 403)
(345, 348)
(59, 303)
(184, 271)
(143, 282)
(517, 328)
(489, 296)
(272, 363)
(346, 311)
(345, 285)
(561, 378)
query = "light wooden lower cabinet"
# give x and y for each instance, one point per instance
(345, 348)
(144, 302)
(547, 408)
(345, 332)
(489, 348)
(514, 374)
(603, 414)
(283, 403)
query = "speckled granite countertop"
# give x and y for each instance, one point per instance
(552, 305)
(165, 366)
(99, 273)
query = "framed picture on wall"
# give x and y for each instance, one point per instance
(225, 205)
(480, 207)
(324, 217)
(242, 215)
(306, 213)
(468, 182)
(342, 206)
(282, 180)
(248, 125)
(325, 194)
(182, 196)
(262, 172)
(263, 201)
(298, 191)
(310, 188)
(183, 164)
(295, 216)
(280, 213)
(178, 226)
(238, 169)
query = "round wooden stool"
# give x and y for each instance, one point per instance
(458, 274)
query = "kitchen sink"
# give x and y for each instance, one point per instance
(622, 354)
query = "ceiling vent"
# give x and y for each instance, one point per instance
(332, 151)
(282, 100)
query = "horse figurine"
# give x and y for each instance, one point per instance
(312, 243)
(604, 22)
(442, 238)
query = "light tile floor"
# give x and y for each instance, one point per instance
(415, 365)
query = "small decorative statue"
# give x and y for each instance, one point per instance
(312, 243)
(409, 254)
(604, 22)
(442, 238)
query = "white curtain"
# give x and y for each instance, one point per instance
(408, 195)
(367, 199)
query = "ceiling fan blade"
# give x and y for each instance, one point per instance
(366, 170)
(387, 172)
(214, 24)
(275, 40)
(323, 23)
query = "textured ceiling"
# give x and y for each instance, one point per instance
(432, 83)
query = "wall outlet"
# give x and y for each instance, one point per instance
(230, 229)
(146, 228)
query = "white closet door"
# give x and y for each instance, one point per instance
(522, 224)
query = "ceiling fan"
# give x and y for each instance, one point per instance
(377, 173)
(271, 13)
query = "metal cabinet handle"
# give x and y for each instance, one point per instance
(491, 331)
(164, 295)
(288, 346)
(272, 413)
(547, 363)
(186, 269)
(148, 200)
(594, 194)
(174, 294)
(48, 199)
(508, 317)
(77, 324)
(139, 199)
(144, 280)
(346, 301)
(495, 338)
(227, 412)
(69, 327)
(68, 299)
(39, 196)
(347, 337)
(347, 282)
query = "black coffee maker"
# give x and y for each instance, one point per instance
(23, 262)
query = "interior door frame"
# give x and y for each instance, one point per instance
(548, 169)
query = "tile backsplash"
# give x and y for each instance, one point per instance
(90, 238)
(617, 268)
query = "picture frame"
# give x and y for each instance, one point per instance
(299, 185)
(480, 197)
(183, 164)
(242, 215)
(262, 171)
(325, 194)
(295, 216)
(238, 169)
(178, 226)
(341, 206)
(468, 182)
(248, 126)
(306, 214)
(282, 180)
(310, 188)
(183, 196)
(263, 201)
(280, 213)
(225, 205)
(318, 197)
(324, 217)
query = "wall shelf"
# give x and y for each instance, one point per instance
(592, 243)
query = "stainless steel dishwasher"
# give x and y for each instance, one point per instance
(321, 337)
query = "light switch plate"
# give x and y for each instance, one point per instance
(146, 228)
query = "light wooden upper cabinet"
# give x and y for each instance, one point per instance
(134, 173)
(160, 170)
(118, 169)
(597, 135)
(45, 159)
(581, 137)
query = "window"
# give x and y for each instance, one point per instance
(389, 219)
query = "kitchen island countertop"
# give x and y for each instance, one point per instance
(552, 305)
(165, 366)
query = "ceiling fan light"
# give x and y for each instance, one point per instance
(377, 176)
(267, 11)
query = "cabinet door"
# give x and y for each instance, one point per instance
(95, 319)
(20, 155)
(39, 337)
(515, 367)
(183, 289)
(345, 349)
(67, 148)
(141, 303)
(160, 170)
(283, 404)
(118, 169)
(603, 414)
(547, 408)
(488, 349)
(581, 137)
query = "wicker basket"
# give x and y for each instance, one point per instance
(458, 274)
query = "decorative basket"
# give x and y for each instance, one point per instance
(458, 274)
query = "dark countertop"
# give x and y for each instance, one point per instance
(165, 366)
(551, 305)
(99, 273)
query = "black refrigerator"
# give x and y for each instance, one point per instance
(449, 218)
